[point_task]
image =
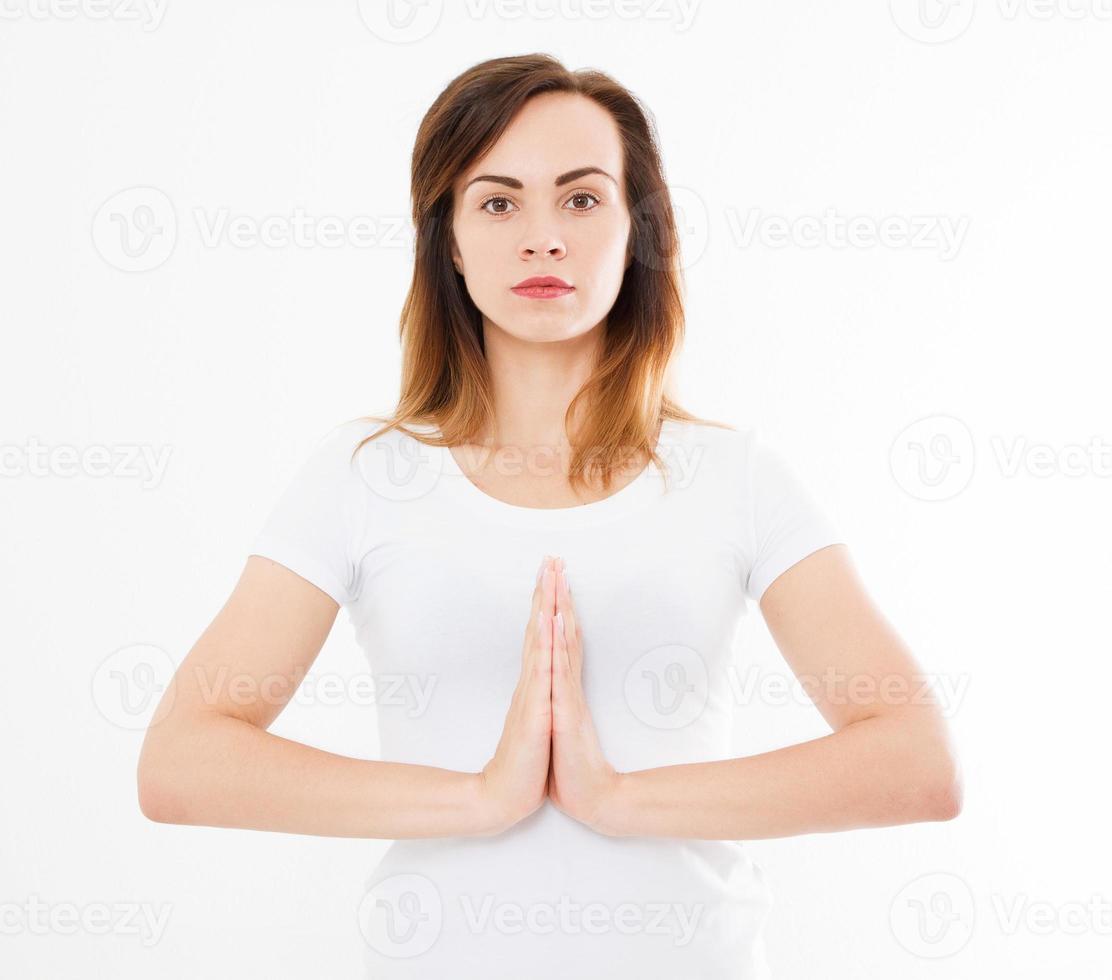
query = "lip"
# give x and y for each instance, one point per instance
(543, 281)
(542, 287)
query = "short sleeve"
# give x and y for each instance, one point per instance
(786, 520)
(314, 527)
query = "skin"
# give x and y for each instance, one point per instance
(580, 780)
(208, 759)
(541, 352)
(889, 760)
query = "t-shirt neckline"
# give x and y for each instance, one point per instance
(632, 497)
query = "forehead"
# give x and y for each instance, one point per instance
(550, 135)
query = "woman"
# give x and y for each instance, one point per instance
(559, 787)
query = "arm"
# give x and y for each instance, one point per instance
(890, 759)
(208, 760)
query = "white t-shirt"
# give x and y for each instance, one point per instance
(437, 578)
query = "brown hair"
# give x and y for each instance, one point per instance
(444, 380)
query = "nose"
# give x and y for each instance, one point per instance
(547, 245)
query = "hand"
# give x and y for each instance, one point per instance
(514, 782)
(581, 783)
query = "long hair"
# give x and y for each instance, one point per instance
(445, 380)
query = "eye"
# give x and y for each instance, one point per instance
(492, 199)
(503, 204)
(579, 195)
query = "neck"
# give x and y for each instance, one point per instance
(532, 385)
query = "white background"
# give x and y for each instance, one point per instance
(946, 400)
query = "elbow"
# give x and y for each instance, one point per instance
(150, 807)
(156, 802)
(945, 800)
(152, 802)
(938, 784)
(928, 774)
(944, 804)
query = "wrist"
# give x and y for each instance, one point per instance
(490, 816)
(610, 815)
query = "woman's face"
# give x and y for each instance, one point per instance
(525, 209)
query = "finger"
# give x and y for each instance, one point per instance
(541, 672)
(550, 586)
(532, 632)
(533, 693)
(543, 676)
(572, 632)
(538, 589)
(562, 700)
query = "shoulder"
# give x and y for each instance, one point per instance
(740, 464)
(723, 436)
(721, 451)
(357, 444)
(744, 447)
(384, 465)
(350, 434)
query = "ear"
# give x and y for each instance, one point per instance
(457, 259)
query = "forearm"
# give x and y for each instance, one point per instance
(880, 771)
(225, 772)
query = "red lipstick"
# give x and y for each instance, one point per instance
(542, 287)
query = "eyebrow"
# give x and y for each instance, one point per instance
(558, 182)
